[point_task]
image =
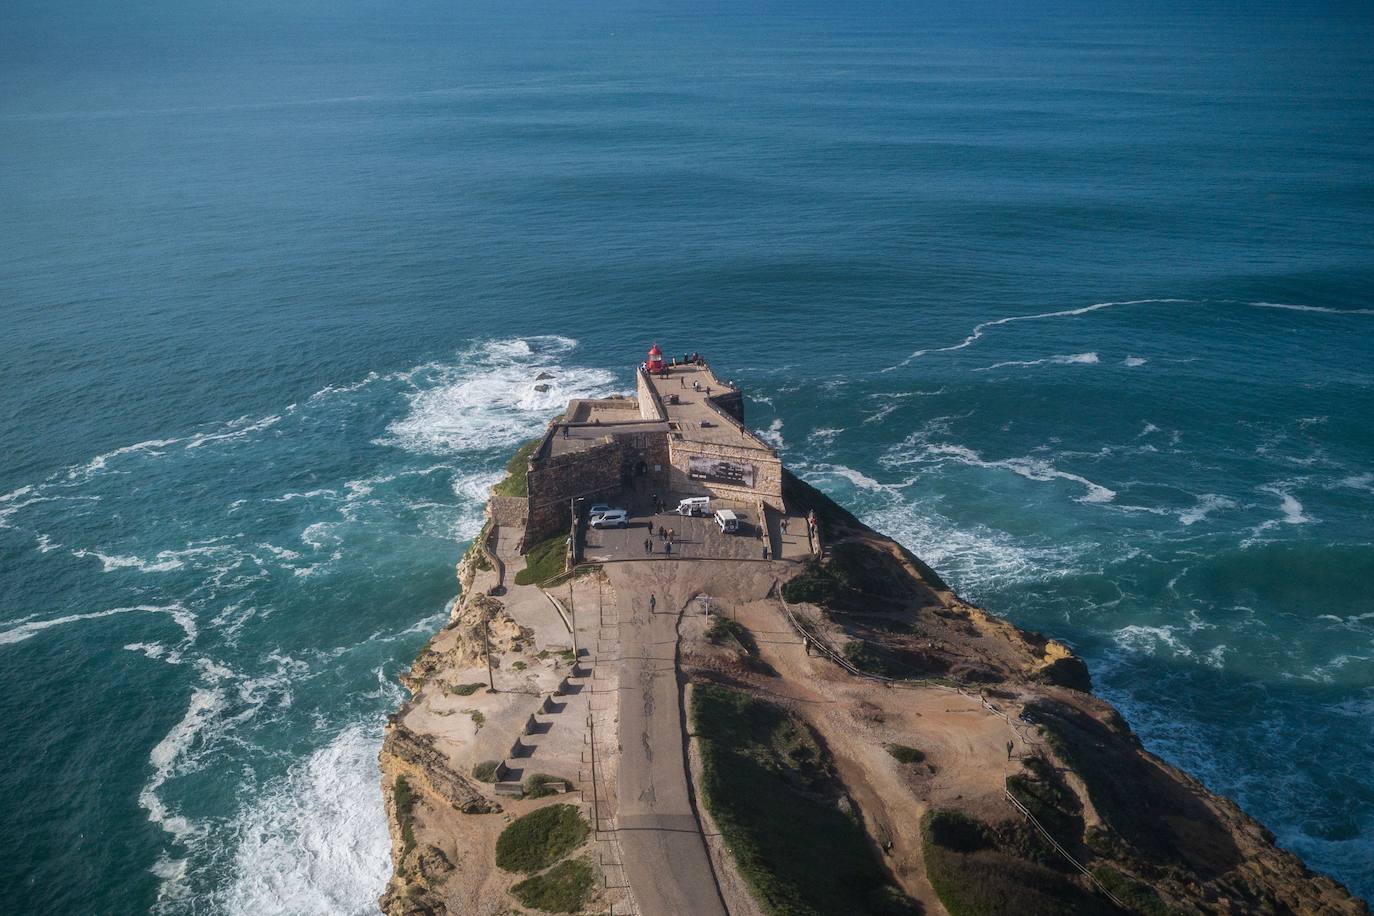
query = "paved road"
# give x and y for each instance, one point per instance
(664, 853)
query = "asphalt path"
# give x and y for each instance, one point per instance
(664, 852)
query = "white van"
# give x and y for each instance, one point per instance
(695, 505)
(727, 520)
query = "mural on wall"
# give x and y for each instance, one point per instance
(718, 470)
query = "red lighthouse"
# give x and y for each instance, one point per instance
(655, 361)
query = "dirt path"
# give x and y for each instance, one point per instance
(965, 745)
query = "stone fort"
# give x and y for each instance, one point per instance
(682, 434)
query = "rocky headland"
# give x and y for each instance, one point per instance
(817, 725)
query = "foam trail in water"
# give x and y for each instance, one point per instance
(978, 330)
(1309, 308)
(32, 628)
(1075, 359)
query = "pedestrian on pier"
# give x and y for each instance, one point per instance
(653, 603)
(648, 545)
(765, 551)
(784, 524)
(668, 548)
(671, 535)
(662, 533)
(708, 391)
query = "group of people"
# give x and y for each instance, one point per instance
(649, 546)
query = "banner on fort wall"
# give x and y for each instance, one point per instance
(718, 470)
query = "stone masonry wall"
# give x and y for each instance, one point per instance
(767, 479)
(554, 481)
(649, 408)
(508, 511)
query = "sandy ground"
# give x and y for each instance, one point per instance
(965, 744)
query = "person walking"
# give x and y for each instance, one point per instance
(668, 548)
(784, 524)
(653, 603)
(765, 551)
(671, 535)
(648, 545)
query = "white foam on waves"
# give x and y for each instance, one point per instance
(773, 434)
(1073, 359)
(490, 397)
(980, 329)
(316, 843)
(1029, 468)
(29, 627)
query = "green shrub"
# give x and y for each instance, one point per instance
(486, 770)
(973, 877)
(770, 788)
(562, 889)
(465, 690)
(904, 754)
(404, 799)
(540, 838)
(541, 785)
(516, 482)
(544, 560)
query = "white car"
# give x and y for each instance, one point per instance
(599, 509)
(612, 518)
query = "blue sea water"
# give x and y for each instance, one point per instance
(1073, 299)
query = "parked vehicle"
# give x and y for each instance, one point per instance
(614, 518)
(727, 520)
(599, 509)
(695, 505)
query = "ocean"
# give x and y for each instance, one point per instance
(1073, 299)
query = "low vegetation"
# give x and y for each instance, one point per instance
(465, 690)
(1141, 898)
(404, 799)
(975, 876)
(516, 482)
(770, 788)
(541, 785)
(485, 771)
(540, 838)
(855, 577)
(562, 889)
(904, 754)
(544, 560)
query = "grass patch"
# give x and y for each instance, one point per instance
(540, 838)
(562, 889)
(544, 560)
(519, 666)
(769, 787)
(516, 482)
(404, 799)
(1141, 898)
(478, 718)
(485, 771)
(975, 878)
(904, 754)
(542, 785)
(465, 690)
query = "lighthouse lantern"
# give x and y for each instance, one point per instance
(655, 361)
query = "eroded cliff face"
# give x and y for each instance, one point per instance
(417, 777)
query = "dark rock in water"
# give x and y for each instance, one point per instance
(541, 388)
(543, 375)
